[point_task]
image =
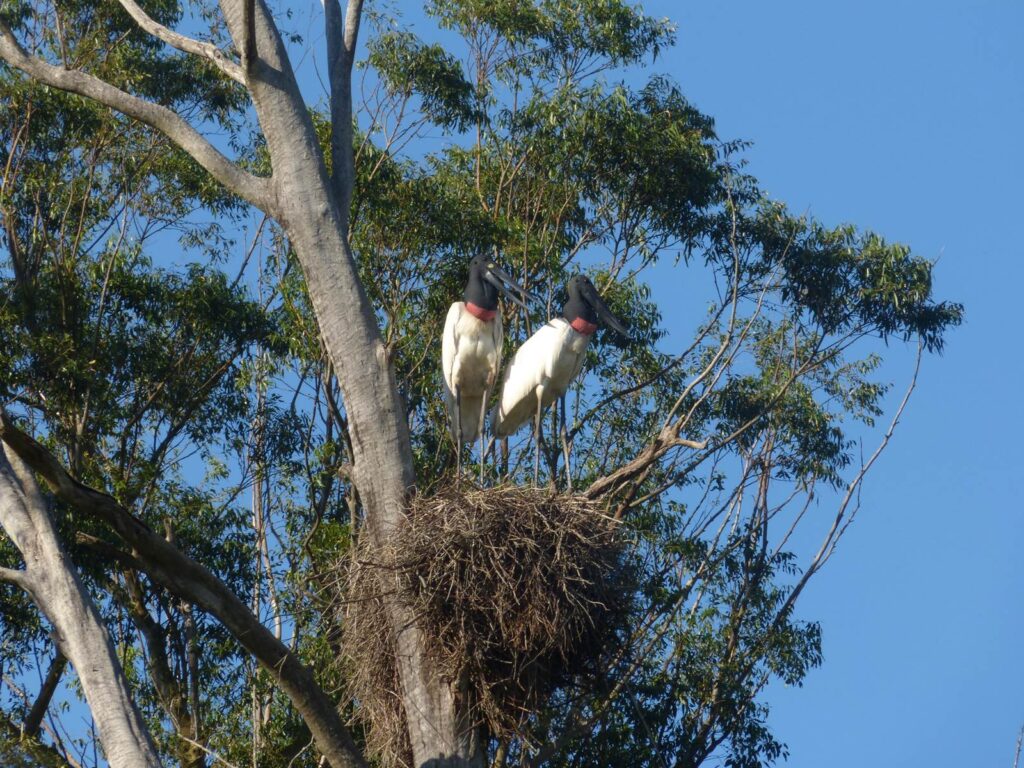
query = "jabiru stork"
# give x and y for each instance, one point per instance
(471, 350)
(545, 365)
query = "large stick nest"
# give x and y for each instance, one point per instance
(518, 592)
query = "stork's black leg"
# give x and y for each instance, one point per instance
(458, 435)
(536, 437)
(565, 445)
(483, 453)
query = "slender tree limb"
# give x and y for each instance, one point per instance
(14, 743)
(183, 43)
(657, 448)
(169, 689)
(34, 718)
(256, 190)
(125, 559)
(12, 576)
(842, 520)
(194, 583)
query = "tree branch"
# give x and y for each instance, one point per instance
(256, 190)
(341, 49)
(52, 582)
(17, 744)
(852, 492)
(657, 448)
(194, 583)
(183, 43)
(13, 576)
(170, 691)
(34, 719)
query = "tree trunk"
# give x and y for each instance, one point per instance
(317, 228)
(53, 584)
(312, 211)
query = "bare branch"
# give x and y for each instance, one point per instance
(13, 576)
(183, 43)
(341, 49)
(256, 190)
(42, 755)
(34, 719)
(194, 583)
(842, 521)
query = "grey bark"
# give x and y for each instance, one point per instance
(194, 583)
(317, 226)
(52, 582)
(183, 43)
(254, 189)
(34, 718)
(313, 210)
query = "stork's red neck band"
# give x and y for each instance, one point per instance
(480, 313)
(581, 325)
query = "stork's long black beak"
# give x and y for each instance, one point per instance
(593, 298)
(503, 281)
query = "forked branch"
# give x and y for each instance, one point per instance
(52, 582)
(254, 189)
(183, 43)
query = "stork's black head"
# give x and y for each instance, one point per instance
(486, 278)
(585, 308)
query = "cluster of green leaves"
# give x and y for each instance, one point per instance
(181, 394)
(845, 279)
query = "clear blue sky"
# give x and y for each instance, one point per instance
(908, 118)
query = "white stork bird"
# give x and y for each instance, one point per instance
(471, 351)
(542, 369)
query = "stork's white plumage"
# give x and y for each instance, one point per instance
(539, 373)
(470, 358)
(471, 351)
(542, 369)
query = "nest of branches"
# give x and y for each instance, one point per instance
(519, 592)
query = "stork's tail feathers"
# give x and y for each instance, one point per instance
(494, 417)
(506, 422)
(470, 413)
